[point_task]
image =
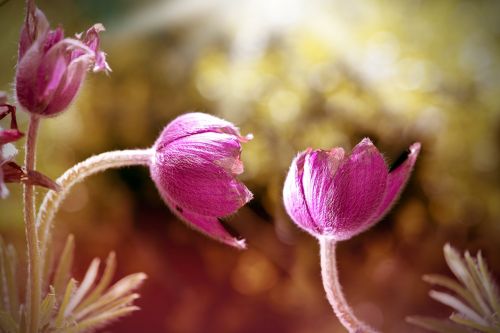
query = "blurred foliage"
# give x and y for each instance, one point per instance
(295, 74)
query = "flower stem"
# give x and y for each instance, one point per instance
(76, 174)
(34, 283)
(333, 289)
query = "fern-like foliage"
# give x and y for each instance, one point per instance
(473, 296)
(67, 306)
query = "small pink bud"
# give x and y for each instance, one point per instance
(51, 68)
(329, 194)
(196, 159)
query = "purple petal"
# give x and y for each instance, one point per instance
(3, 97)
(293, 196)
(196, 123)
(53, 67)
(197, 171)
(357, 191)
(35, 28)
(9, 135)
(27, 87)
(92, 40)
(68, 87)
(52, 38)
(208, 225)
(396, 180)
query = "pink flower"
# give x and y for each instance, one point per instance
(329, 194)
(51, 68)
(196, 159)
(10, 171)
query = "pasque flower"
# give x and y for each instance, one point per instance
(195, 161)
(51, 68)
(335, 197)
(330, 194)
(10, 171)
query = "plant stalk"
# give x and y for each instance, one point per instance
(76, 174)
(333, 289)
(33, 295)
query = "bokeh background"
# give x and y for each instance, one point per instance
(296, 74)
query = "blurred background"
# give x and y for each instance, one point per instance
(296, 74)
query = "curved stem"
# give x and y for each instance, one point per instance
(333, 289)
(33, 296)
(77, 173)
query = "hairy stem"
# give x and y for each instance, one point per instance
(333, 289)
(77, 173)
(34, 282)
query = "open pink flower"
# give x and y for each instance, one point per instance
(329, 194)
(51, 68)
(196, 159)
(10, 171)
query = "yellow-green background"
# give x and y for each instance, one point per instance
(296, 74)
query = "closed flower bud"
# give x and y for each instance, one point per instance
(332, 195)
(51, 68)
(195, 164)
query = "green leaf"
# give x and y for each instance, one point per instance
(120, 289)
(62, 273)
(84, 287)
(472, 324)
(476, 276)
(105, 281)
(490, 286)
(7, 323)
(62, 309)
(436, 325)
(457, 305)
(101, 320)
(446, 282)
(47, 308)
(459, 268)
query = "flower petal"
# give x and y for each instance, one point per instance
(320, 167)
(293, 196)
(53, 68)
(356, 193)
(52, 38)
(196, 123)
(196, 172)
(9, 135)
(396, 180)
(35, 27)
(208, 225)
(92, 40)
(27, 86)
(68, 86)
